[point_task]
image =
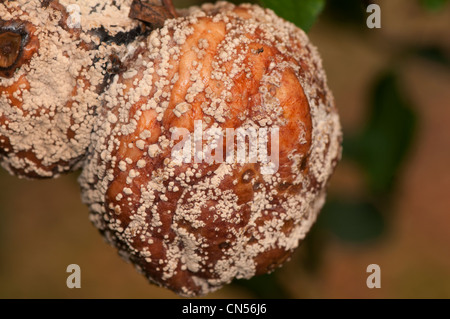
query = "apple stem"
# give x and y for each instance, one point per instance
(154, 12)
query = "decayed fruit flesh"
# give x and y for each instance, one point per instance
(193, 227)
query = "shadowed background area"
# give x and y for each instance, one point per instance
(388, 201)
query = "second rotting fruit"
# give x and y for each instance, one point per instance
(54, 63)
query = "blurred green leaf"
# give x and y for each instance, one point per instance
(348, 12)
(352, 221)
(385, 142)
(434, 54)
(301, 12)
(433, 5)
(312, 249)
(264, 287)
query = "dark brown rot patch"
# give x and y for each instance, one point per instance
(283, 186)
(247, 176)
(10, 46)
(17, 46)
(256, 186)
(116, 65)
(224, 245)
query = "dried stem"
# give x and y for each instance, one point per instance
(154, 12)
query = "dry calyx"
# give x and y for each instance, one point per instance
(190, 227)
(10, 43)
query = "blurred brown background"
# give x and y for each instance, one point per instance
(44, 227)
